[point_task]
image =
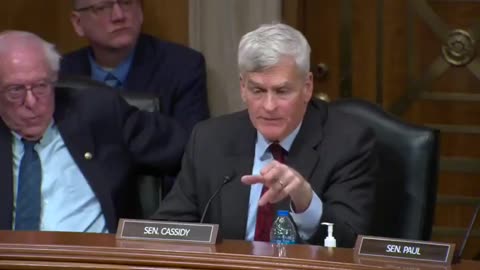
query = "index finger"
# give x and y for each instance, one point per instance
(252, 179)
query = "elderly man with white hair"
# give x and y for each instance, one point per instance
(66, 155)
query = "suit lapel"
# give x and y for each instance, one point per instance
(303, 155)
(76, 135)
(6, 177)
(83, 63)
(235, 196)
(138, 79)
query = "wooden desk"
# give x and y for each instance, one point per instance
(49, 250)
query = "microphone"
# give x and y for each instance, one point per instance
(458, 256)
(226, 180)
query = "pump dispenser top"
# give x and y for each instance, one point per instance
(329, 240)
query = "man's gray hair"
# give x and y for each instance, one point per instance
(30, 39)
(264, 47)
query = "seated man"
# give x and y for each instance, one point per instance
(286, 151)
(67, 156)
(121, 56)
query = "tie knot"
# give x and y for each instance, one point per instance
(278, 152)
(29, 145)
(111, 80)
(110, 76)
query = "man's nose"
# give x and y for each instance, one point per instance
(270, 102)
(117, 12)
(30, 99)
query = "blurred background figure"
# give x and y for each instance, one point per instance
(121, 56)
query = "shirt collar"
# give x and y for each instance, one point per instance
(120, 72)
(263, 144)
(47, 137)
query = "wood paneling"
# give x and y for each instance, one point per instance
(461, 144)
(444, 112)
(326, 45)
(395, 75)
(364, 49)
(454, 216)
(48, 19)
(466, 184)
(167, 19)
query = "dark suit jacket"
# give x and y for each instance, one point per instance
(331, 150)
(174, 73)
(119, 137)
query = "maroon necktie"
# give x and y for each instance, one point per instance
(266, 213)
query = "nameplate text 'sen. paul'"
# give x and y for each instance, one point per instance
(135, 229)
(402, 249)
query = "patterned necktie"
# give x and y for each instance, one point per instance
(266, 213)
(111, 80)
(27, 211)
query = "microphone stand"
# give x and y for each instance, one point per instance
(458, 256)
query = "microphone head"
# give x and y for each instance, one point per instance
(229, 177)
(226, 179)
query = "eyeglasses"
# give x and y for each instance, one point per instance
(105, 8)
(17, 93)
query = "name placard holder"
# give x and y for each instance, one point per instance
(136, 229)
(394, 249)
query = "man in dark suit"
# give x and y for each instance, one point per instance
(324, 175)
(121, 56)
(66, 156)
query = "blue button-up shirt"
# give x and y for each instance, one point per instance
(120, 72)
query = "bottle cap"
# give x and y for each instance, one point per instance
(282, 213)
(330, 241)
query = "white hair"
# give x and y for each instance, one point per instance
(264, 47)
(28, 39)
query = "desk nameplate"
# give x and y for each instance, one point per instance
(402, 249)
(136, 229)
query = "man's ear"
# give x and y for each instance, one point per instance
(308, 87)
(243, 87)
(76, 23)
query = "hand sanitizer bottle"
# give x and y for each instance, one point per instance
(329, 240)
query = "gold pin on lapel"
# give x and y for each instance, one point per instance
(88, 155)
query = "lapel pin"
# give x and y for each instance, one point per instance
(88, 155)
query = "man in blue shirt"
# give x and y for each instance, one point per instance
(286, 151)
(122, 57)
(67, 155)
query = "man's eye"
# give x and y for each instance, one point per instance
(100, 8)
(15, 89)
(283, 90)
(257, 90)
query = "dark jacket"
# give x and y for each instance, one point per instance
(174, 73)
(332, 151)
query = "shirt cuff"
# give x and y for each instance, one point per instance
(307, 221)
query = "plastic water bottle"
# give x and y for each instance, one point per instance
(283, 230)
